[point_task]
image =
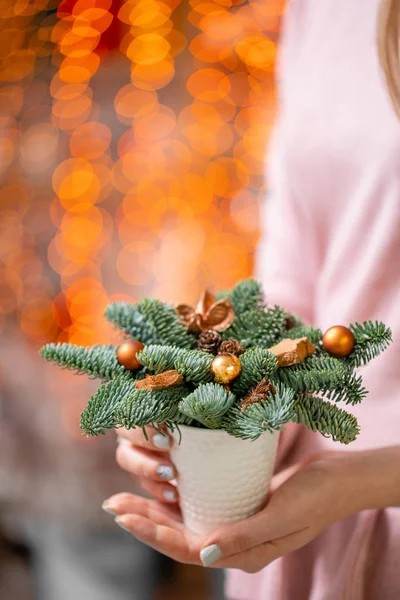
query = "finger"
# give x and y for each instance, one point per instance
(157, 440)
(144, 463)
(268, 525)
(162, 491)
(125, 503)
(165, 539)
(271, 523)
(258, 557)
(280, 478)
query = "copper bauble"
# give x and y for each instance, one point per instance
(338, 341)
(226, 367)
(126, 355)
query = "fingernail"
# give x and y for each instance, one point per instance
(169, 495)
(108, 510)
(165, 472)
(210, 555)
(118, 522)
(161, 441)
(123, 441)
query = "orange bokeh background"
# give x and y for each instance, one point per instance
(161, 196)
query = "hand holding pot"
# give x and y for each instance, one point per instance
(305, 500)
(148, 460)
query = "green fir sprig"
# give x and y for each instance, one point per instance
(307, 393)
(327, 418)
(100, 412)
(269, 415)
(207, 404)
(96, 361)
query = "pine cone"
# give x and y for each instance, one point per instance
(209, 341)
(290, 321)
(258, 394)
(232, 347)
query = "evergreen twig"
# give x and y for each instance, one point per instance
(371, 338)
(96, 361)
(257, 363)
(195, 365)
(126, 317)
(165, 323)
(258, 328)
(328, 419)
(159, 358)
(207, 404)
(269, 415)
(142, 407)
(99, 413)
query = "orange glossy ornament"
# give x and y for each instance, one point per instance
(338, 341)
(126, 355)
(226, 367)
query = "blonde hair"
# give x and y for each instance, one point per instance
(389, 49)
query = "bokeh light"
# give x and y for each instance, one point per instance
(156, 192)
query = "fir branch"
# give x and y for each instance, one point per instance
(99, 412)
(96, 361)
(371, 338)
(247, 296)
(126, 317)
(141, 408)
(195, 366)
(257, 363)
(325, 375)
(312, 333)
(159, 358)
(165, 323)
(268, 415)
(258, 328)
(326, 418)
(207, 404)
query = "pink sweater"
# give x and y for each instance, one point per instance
(331, 252)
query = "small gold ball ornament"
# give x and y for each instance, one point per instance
(338, 341)
(126, 355)
(226, 367)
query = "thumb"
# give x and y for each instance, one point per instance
(274, 521)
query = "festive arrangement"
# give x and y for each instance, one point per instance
(231, 363)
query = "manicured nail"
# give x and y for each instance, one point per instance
(108, 510)
(210, 555)
(118, 522)
(169, 495)
(161, 441)
(165, 472)
(123, 441)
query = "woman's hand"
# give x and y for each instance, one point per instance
(148, 460)
(304, 501)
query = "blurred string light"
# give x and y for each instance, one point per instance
(82, 181)
(27, 144)
(189, 167)
(193, 178)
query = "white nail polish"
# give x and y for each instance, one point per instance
(165, 472)
(123, 442)
(161, 441)
(118, 522)
(169, 495)
(210, 555)
(109, 510)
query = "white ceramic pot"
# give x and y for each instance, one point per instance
(221, 478)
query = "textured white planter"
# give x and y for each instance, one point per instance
(221, 478)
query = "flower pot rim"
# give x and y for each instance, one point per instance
(199, 431)
(205, 431)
